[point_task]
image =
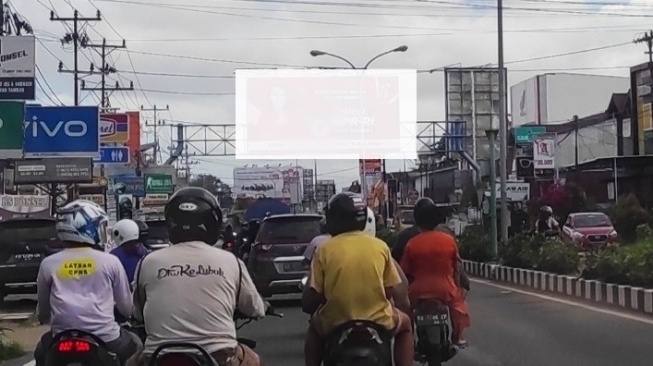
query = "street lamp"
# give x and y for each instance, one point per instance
(403, 48)
(492, 137)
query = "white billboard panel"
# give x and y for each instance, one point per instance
(524, 102)
(326, 114)
(283, 183)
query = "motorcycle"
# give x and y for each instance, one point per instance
(359, 343)
(433, 327)
(195, 355)
(77, 348)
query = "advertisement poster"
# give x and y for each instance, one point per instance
(371, 171)
(283, 183)
(12, 206)
(544, 153)
(17, 68)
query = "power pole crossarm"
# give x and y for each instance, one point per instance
(104, 70)
(648, 39)
(75, 38)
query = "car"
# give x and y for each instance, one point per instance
(589, 230)
(24, 242)
(276, 260)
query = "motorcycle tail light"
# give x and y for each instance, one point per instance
(74, 346)
(176, 359)
(228, 245)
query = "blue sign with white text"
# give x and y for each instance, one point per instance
(113, 155)
(62, 131)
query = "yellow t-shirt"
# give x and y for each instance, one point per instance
(352, 270)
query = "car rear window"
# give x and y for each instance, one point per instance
(157, 232)
(289, 230)
(17, 231)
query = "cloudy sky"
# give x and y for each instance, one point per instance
(183, 53)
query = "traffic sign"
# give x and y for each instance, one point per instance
(525, 135)
(114, 155)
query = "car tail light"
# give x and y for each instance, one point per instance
(263, 247)
(74, 346)
(176, 359)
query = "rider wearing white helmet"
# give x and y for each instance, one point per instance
(79, 286)
(129, 249)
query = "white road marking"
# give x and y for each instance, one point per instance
(636, 318)
(31, 363)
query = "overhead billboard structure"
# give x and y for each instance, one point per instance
(283, 183)
(17, 67)
(472, 97)
(326, 114)
(12, 117)
(53, 170)
(62, 131)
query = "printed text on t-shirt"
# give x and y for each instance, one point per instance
(186, 270)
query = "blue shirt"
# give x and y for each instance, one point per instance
(130, 260)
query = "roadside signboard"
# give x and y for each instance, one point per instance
(12, 206)
(154, 200)
(516, 191)
(17, 67)
(525, 135)
(62, 131)
(98, 199)
(129, 184)
(113, 155)
(158, 183)
(53, 170)
(12, 115)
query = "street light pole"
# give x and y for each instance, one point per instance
(503, 129)
(492, 135)
(384, 174)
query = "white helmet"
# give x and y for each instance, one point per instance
(125, 231)
(370, 223)
(82, 222)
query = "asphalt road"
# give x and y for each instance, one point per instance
(509, 328)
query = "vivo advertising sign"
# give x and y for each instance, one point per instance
(62, 131)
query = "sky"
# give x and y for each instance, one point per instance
(183, 53)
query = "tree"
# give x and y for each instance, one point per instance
(216, 186)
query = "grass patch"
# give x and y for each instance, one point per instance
(9, 349)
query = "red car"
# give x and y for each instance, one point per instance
(589, 230)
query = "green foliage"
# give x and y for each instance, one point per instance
(626, 216)
(644, 233)
(519, 251)
(558, 257)
(9, 349)
(389, 236)
(540, 253)
(628, 265)
(474, 244)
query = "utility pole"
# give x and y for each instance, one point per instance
(648, 39)
(503, 130)
(155, 124)
(75, 39)
(2, 18)
(103, 71)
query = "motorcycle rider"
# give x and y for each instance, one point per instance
(432, 264)
(78, 286)
(129, 248)
(190, 291)
(546, 222)
(333, 298)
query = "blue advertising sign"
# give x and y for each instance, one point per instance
(113, 155)
(62, 131)
(129, 184)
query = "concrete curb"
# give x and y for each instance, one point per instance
(635, 298)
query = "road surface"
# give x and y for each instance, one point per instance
(510, 327)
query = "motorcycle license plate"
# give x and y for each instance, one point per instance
(426, 320)
(27, 257)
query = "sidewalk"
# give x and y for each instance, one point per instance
(26, 334)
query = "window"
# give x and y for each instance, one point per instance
(290, 230)
(592, 220)
(27, 230)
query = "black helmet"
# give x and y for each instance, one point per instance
(345, 213)
(193, 214)
(427, 215)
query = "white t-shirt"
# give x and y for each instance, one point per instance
(312, 246)
(187, 293)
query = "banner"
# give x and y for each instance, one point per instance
(371, 173)
(282, 183)
(134, 141)
(12, 116)
(12, 206)
(544, 152)
(62, 131)
(17, 67)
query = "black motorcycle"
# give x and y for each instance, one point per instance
(77, 348)
(433, 327)
(359, 343)
(195, 355)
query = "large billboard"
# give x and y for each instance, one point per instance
(62, 131)
(12, 206)
(17, 67)
(53, 170)
(472, 97)
(524, 102)
(283, 183)
(12, 117)
(326, 114)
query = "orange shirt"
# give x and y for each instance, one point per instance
(430, 260)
